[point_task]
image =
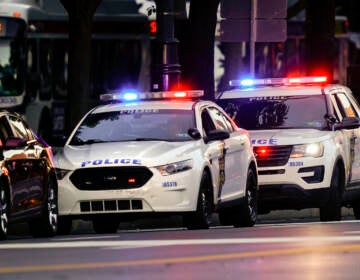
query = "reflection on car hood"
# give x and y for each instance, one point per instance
(287, 136)
(147, 153)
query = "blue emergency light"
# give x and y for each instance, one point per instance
(247, 82)
(130, 96)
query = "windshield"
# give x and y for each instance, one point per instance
(135, 125)
(12, 56)
(277, 112)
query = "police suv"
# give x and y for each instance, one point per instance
(173, 155)
(306, 139)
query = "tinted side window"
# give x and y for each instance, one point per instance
(219, 119)
(18, 127)
(5, 131)
(346, 108)
(207, 122)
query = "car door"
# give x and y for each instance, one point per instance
(348, 109)
(26, 168)
(232, 158)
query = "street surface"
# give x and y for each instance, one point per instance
(282, 250)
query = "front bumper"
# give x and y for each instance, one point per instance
(306, 173)
(301, 183)
(163, 194)
(288, 196)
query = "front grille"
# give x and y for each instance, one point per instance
(110, 178)
(272, 155)
(110, 205)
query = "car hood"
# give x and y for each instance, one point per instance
(145, 153)
(288, 136)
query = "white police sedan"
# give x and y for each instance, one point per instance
(176, 155)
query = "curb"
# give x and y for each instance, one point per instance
(85, 227)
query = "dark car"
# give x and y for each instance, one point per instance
(28, 185)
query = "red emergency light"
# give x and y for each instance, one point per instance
(153, 27)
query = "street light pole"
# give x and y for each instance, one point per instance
(253, 37)
(167, 69)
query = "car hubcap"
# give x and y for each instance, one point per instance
(52, 208)
(205, 206)
(3, 212)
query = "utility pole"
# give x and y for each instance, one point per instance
(81, 14)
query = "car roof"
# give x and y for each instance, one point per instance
(282, 90)
(143, 105)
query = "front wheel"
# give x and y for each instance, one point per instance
(46, 225)
(202, 217)
(249, 208)
(4, 222)
(331, 211)
(245, 214)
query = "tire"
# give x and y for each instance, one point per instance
(64, 225)
(46, 225)
(107, 224)
(202, 217)
(4, 209)
(245, 214)
(331, 211)
(249, 208)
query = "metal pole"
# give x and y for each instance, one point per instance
(253, 36)
(168, 69)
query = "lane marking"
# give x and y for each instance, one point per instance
(163, 261)
(172, 242)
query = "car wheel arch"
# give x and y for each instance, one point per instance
(4, 181)
(340, 164)
(254, 169)
(210, 186)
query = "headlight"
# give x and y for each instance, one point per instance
(307, 150)
(61, 173)
(175, 167)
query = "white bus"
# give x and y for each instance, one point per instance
(34, 57)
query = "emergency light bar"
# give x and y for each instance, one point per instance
(133, 96)
(277, 81)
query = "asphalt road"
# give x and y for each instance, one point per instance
(304, 249)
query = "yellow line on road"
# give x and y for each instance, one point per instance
(217, 257)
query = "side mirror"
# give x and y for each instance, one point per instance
(348, 123)
(194, 133)
(217, 134)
